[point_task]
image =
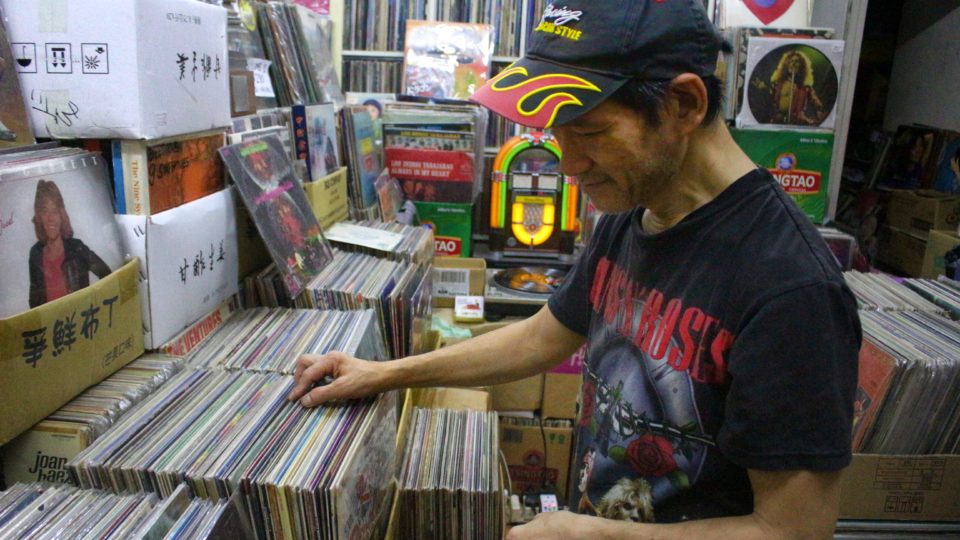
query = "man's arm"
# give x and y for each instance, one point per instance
(788, 505)
(507, 354)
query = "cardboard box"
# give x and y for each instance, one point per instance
(915, 488)
(799, 160)
(53, 352)
(454, 277)
(561, 387)
(121, 69)
(938, 244)
(560, 394)
(923, 210)
(902, 250)
(190, 262)
(532, 463)
(328, 198)
(523, 395)
(452, 225)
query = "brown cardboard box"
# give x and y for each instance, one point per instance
(560, 391)
(530, 462)
(561, 387)
(453, 276)
(938, 244)
(915, 488)
(523, 395)
(922, 210)
(902, 250)
(51, 353)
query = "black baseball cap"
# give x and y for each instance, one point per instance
(581, 52)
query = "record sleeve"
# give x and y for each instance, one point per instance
(279, 207)
(57, 231)
(446, 60)
(947, 171)
(791, 82)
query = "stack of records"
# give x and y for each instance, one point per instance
(271, 340)
(416, 244)
(449, 478)
(379, 26)
(297, 43)
(365, 157)
(909, 370)
(277, 121)
(881, 292)
(303, 473)
(265, 289)
(436, 151)
(942, 291)
(400, 292)
(91, 413)
(365, 75)
(504, 15)
(245, 53)
(43, 511)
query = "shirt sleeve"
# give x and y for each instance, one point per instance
(793, 377)
(570, 303)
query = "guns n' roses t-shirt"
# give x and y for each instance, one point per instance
(728, 342)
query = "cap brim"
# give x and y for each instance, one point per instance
(541, 94)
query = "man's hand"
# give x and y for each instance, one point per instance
(552, 525)
(351, 378)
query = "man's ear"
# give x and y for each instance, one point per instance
(687, 102)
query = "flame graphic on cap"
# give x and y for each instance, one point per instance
(549, 107)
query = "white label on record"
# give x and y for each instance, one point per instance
(364, 236)
(451, 282)
(262, 87)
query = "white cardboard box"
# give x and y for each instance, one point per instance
(130, 69)
(189, 262)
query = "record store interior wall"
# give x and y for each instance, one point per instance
(926, 66)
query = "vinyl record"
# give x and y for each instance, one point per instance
(530, 279)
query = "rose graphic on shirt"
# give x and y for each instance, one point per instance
(651, 455)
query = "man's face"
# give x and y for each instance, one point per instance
(619, 160)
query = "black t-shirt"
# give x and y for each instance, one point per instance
(727, 342)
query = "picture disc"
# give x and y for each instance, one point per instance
(530, 279)
(794, 84)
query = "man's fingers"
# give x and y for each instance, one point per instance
(303, 362)
(321, 367)
(320, 395)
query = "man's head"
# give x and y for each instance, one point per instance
(583, 51)
(623, 85)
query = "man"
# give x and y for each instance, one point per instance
(721, 339)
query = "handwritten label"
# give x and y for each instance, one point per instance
(56, 105)
(202, 262)
(64, 332)
(262, 87)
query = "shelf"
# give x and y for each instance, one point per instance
(354, 54)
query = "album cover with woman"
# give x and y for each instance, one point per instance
(57, 230)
